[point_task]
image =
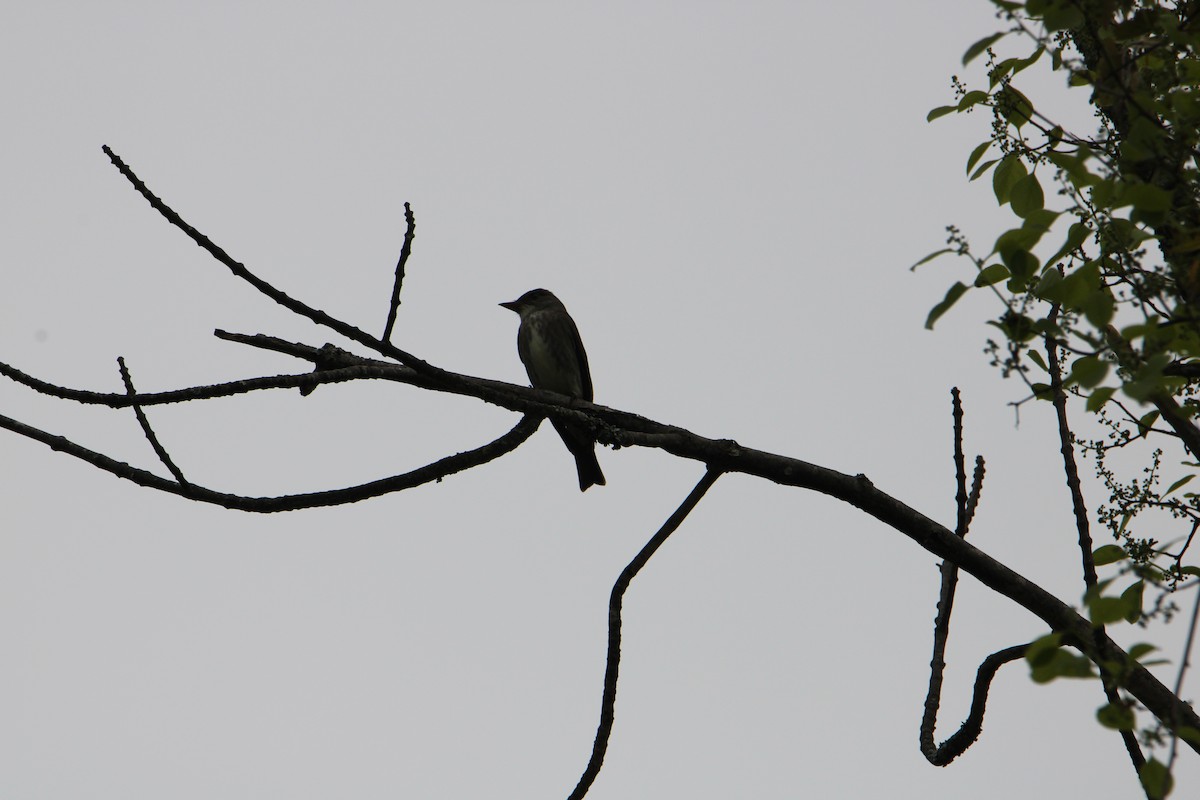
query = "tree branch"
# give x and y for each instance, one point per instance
(609, 701)
(622, 428)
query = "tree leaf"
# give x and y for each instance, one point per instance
(1076, 235)
(1156, 779)
(972, 98)
(976, 154)
(1116, 716)
(956, 291)
(983, 44)
(984, 167)
(1008, 172)
(1089, 371)
(931, 257)
(1179, 483)
(1026, 196)
(1099, 397)
(940, 111)
(993, 273)
(1141, 649)
(1108, 554)
(1146, 197)
(1014, 106)
(1132, 600)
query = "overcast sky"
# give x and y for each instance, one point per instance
(727, 196)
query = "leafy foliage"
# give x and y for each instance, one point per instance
(1101, 269)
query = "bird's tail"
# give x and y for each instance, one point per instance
(583, 447)
(588, 468)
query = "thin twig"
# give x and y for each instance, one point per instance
(1067, 448)
(1082, 526)
(972, 726)
(966, 503)
(159, 450)
(608, 702)
(292, 502)
(290, 303)
(1185, 662)
(405, 252)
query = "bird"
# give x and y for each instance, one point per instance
(550, 348)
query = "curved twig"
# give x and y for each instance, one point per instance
(966, 503)
(608, 702)
(264, 505)
(972, 726)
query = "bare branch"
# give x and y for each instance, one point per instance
(1082, 526)
(283, 299)
(292, 502)
(1184, 663)
(968, 732)
(405, 252)
(1067, 449)
(972, 726)
(159, 450)
(612, 426)
(609, 701)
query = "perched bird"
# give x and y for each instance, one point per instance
(550, 348)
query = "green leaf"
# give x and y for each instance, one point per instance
(1147, 422)
(1132, 600)
(1099, 307)
(1179, 483)
(1079, 284)
(1076, 235)
(1025, 63)
(1108, 554)
(956, 291)
(940, 111)
(1062, 664)
(1042, 649)
(1075, 166)
(1061, 17)
(1036, 358)
(1105, 610)
(1141, 649)
(931, 257)
(1189, 734)
(1014, 106)
(1026, 196)
(1042, 391)
(1098, 398)
(1050, 286)
(972, 98)
(1008, 172)
(976, 154)
(994, 273)
(1146, 197)
(1022, 264)
(1089, 371)
(984, 167)
(983, 44)
(1116, 716)
(1156, 779)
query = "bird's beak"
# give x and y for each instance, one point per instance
(511, 306)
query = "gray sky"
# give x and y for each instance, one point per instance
(726, 196)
